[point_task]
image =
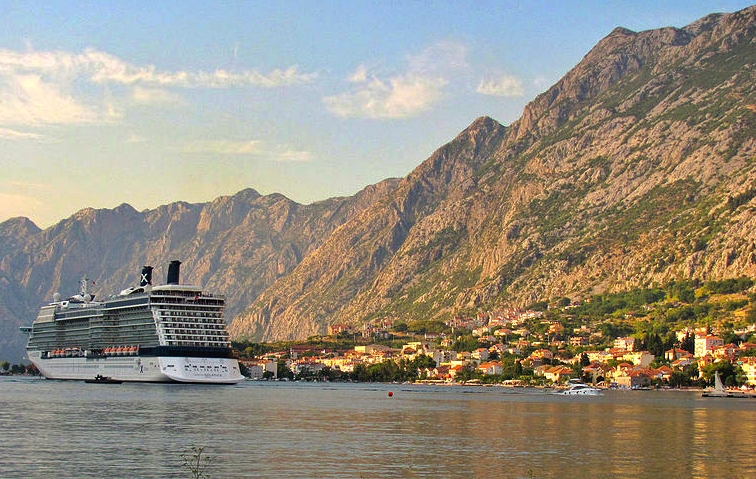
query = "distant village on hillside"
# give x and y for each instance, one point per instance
(538, 360)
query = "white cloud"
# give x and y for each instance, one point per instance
(224, 147)
(398, 97)
(285, 153)
(102, 67)
(58, 87)
(442, 56)
(155, 96)
(504, 85)
(27, 99)
(134, 138)
(359, 75)
(257, 148)
(8, 134)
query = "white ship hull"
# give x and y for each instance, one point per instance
(141, 369)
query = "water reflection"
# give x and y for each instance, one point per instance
(279, 430)
(717, 443)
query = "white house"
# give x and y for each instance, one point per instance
(706, 344)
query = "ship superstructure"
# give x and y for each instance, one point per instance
(171, 332)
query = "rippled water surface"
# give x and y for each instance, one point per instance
(305, 430)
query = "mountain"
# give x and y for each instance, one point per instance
(635, 168)
(238, 245)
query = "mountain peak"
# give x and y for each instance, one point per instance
(621, 32)
(20, 225)
(247, 194)
(597, 187)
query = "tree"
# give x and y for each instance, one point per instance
(731, 338)
(730, 374)
(689, 343)
(422, 361)
(678, 379)
(326, 374)
(384, 371)
(5, 365)
(467, 373)
(465, 343)
(282, 371)
(359, 373)
(584, 361)
(400, 328)
(511, 368)
(653, 344)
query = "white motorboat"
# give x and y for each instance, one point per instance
(581, 389)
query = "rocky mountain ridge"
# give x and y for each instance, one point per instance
(636, 167)
(237, 245)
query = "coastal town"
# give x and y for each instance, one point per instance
(677, 336)
(539, 347)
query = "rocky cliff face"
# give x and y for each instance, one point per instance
(238, 245)
(637, 167)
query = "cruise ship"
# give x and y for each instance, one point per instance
(166, 333)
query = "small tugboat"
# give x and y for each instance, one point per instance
(100, 379)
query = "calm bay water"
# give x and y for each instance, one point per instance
(304, 430)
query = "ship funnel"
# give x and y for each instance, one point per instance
(146, 276)
(173, 272)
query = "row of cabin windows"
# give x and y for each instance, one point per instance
(191, 342)
(192, 314)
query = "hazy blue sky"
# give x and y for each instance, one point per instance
(111, 102)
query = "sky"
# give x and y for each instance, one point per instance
(147, 103)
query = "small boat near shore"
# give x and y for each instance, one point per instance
(100, 379)
(719, 391)
(580, 389)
